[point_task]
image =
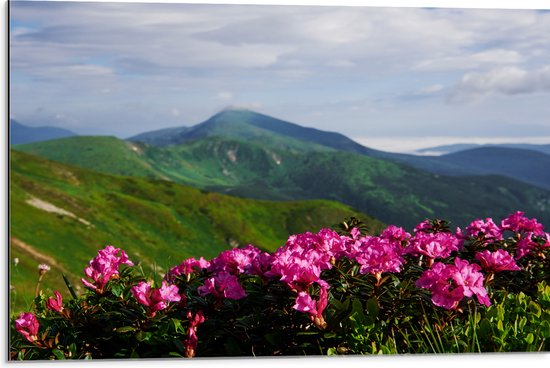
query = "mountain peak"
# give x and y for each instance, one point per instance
(239, 122)
(236, 108)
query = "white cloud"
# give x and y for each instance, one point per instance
(430, 90)
(471, 60)
(508, 80)
(63, 54)
(225, 96)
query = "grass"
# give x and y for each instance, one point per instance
(158, 223)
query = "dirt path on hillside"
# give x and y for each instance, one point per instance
(40, 257)
(48, 207)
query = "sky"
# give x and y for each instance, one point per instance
(392, 78)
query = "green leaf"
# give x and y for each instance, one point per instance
(534, 308)
(117, 290)
(69, 286)
(175, 355)
(58, 354)
(177, 325)
(143, 336)
(125, 329)
(545, 329)
(485, 328)
(529, 338)
(372, 307)
(357, 310)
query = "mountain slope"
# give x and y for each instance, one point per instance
(248, 125)
(65, 213)
(104, 154)
(20, 133)
(392, 192)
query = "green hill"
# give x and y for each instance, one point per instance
(61, 215)
(393, 192)
(248, 125)
(251, 126)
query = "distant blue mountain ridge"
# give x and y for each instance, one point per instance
(452, 148)
(20, 133)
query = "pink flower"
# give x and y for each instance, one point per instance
(192, 339)
(330, 242)
(155, 299)
(449, 284)
(300, 262)
(103, 267)
(55, 305)
(517, 222)
(468, 276)
(424, 226)
(27, 325)
(186, 268)
(436, 279)
(248, 260)
(497, 261)
(434, 245)
(530, 243)
(377, 255)
(43, 268)
(305, 303)
(396, 234)
(222, 285)
(485, 231)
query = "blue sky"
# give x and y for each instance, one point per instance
(391, 78)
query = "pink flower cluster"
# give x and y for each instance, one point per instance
(379, 254)
(497, 261)
(449, 284)
(434, 245)
(485, 231)
(300, 263)
(248, 260)
(518, 223)
(104, 266)
(301, 260)
(27, 325)
(223, 285)
(155, 299)
(529, 233)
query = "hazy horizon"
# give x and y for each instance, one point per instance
(391, 78)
